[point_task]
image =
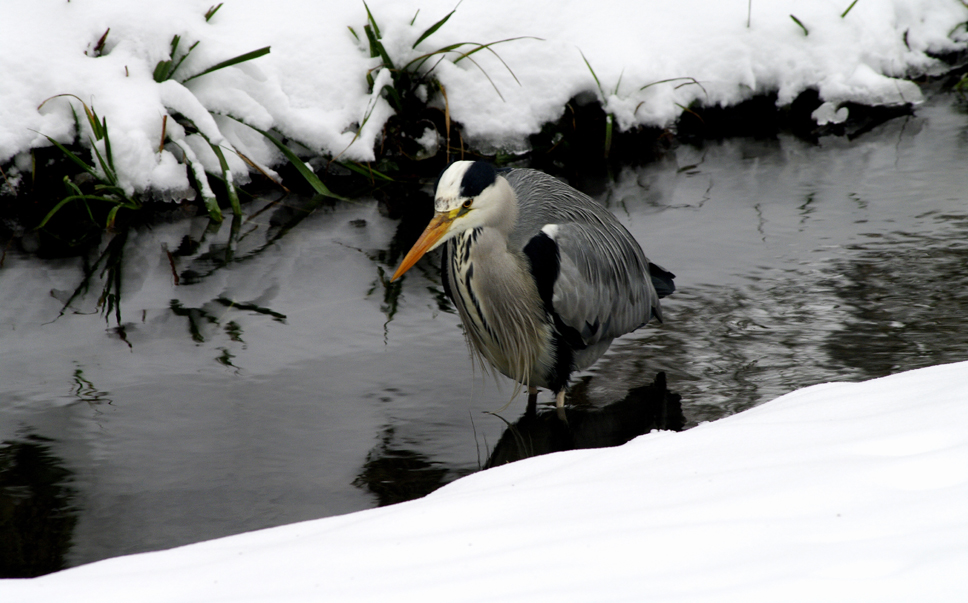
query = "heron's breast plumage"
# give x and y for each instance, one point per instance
(499, 306)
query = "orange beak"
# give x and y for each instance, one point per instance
(437, 228)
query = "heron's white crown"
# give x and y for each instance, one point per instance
(448, 194)
(470, 194)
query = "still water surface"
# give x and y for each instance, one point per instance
(283, 379)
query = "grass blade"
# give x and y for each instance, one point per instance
(66, 200)
(94, 121)
(369, 17)
(686, 81)
(112, 214)
(364, 170)
(300, 166)
(594, 75)
(394, 98)
(233, 61)
(161, 71)
(489, 44)
(418, 62)
(609, 125)
(227, 175)
(107, 148)
(806, 32)
(842, 15)
(433, 28)
(99, 47)
(211, 12)
(83, 164)
(197, 172)
(493, 85)
(376, 47)
(56, 208)
(181, 60)
(105, 167)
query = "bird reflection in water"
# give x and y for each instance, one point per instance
(644, 409)
(393, 472)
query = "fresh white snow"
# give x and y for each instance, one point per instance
(837, 492)
(312, 87)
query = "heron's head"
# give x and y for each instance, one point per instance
(469, 194)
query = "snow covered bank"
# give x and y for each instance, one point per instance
(838, 492)
(312, 87)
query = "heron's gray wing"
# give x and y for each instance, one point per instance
(603, 288)
(601, 285)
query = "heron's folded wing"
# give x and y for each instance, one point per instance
(602, 288)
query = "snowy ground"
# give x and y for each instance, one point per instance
(838, 492)
(312, 87)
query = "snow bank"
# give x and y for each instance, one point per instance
(312, 87)
(837, 492)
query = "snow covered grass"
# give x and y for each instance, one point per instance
(331, 91)
(837, 492)
(103, 171)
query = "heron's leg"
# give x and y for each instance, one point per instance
(532, 400)
(560, 405)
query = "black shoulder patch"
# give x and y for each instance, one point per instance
(542, 251)
(545, 259)
(477, 177)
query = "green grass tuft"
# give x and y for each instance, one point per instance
(106, 188)
(408, 77)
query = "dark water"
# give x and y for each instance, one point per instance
(283, 379)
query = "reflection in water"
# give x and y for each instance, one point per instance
(395, 474)
(893, 304)
(903, 305)
(36, 516)
(202, 255)
(644, 409)
(199, 317)
(107, 270)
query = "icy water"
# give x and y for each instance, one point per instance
(267, 373)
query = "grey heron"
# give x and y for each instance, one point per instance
(543, 277)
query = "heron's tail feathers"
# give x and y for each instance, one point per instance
(661, 280)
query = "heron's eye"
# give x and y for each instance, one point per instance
(467, 204)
